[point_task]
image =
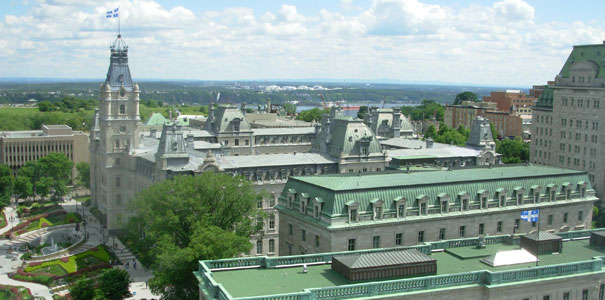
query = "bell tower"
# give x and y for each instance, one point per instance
(116, 133)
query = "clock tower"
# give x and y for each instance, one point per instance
(113, 135)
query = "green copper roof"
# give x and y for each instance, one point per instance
(592, 53)
(156, 119)
(338, 190)
(546, 98)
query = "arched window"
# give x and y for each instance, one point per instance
(122, 109)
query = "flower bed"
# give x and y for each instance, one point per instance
(69, 264)
(10, 292)
(49, 219)
(48, 272)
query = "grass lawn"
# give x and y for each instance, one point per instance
(54, 221)
(27, 118)
(71, 265)
(54, 269)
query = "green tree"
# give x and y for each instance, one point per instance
(23, 187)
(494, 132)
(114, 284)
(57, 167)
(83, 289)
(6, 185)
(312, 114)
(513, 151)
(465, 96)
(431, 132)
(43, 187)
(363, 110)
(290, 108)
(45, 106)
(83, 178)
(188, 218)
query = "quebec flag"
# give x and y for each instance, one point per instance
(530, 215)
(112, 13)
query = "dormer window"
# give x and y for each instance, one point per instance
(317, 203)
(535, 192)
(501, 196)
(482, 196)
(353, 209)
(376, 208)
(444, 202)
(304, 201)
(582, 188)
(551, 191)
(463, 200)
(423, 203)
(566, 188)
(290, 197)
(400, 206)
(518, 193)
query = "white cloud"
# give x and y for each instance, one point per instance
(397, 39)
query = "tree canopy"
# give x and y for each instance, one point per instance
(425, 111)
(513, 151)
(114, 284)
(465, 96)
(188, 218)
(448, 135)
(6, 185)
(83, 178)
(312, 114)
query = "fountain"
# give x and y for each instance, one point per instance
(52, 248)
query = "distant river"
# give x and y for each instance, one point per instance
(354, 112)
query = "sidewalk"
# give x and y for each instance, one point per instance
(139, 275)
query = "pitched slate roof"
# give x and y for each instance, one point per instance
(382, 259)
(593, 53)
(336, 190)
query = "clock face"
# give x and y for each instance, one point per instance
(123, 128)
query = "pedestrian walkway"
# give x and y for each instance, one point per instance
(38, 290)
(9, 212)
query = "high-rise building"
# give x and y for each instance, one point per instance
(566, 117)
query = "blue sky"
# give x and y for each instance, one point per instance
(504, 43)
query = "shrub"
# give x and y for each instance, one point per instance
(35, 205)
(42, 279)
(26, 256)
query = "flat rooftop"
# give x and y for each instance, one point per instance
(290, 279)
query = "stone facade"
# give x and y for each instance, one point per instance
(565, 125)
(509, 98)
(329, 213)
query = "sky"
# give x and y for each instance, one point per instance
(494, 43)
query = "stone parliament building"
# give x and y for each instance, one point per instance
(127, 156)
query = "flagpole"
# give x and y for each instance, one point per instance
(538, 240)
(119, 13)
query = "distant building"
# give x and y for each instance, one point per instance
(507, 123)
(389, 123)
(506, 99)
(19, 147)
(567, 116)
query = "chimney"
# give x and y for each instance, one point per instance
(268, 110)
(429, 143)
(243, 107)
(152, 132)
